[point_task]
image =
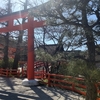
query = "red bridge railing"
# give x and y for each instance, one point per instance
(75, 84)
(21, 73)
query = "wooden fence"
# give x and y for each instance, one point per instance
(12, 72)
(75, 84)
(21, 73)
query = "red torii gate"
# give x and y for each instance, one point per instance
(30, 25)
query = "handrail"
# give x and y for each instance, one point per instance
(65, 82)
(20, 73)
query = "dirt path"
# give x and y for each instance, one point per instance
(12, 89)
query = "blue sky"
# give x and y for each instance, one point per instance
(18, 7)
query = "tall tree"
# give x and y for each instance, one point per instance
(18, 47)
(6, 10)
(77, 13)
(6, 48)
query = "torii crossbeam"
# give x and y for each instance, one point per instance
(30, 25)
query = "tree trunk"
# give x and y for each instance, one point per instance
(17, 54)
(91, 91)
(91, 88)
(5, 58)
(16, 59)
(91, 49)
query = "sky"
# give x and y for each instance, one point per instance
(32, 3)
(18, 8)
(17, 3)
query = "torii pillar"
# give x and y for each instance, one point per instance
(30, 68)
(31, 25)
(30, 62)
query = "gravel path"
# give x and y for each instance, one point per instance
(12, 89)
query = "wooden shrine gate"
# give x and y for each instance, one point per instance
(30, 25)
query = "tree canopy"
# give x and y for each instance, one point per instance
(83, 15)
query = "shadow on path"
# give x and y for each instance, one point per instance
(12, 89)
(55, 94)
(6, 82)
(15, 96)
(42, 95)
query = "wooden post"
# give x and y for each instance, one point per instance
(73, 86)
(48, 79)
(22, 72)
(7, 72)
(0, 71)
(43, 73)
(18, 73)
(30, 68)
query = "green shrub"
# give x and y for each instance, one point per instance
(10, 63)
(80, 67)
(1, 63)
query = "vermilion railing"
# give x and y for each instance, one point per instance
(75, 84)
(67, 82)
(20, 73)
(9, 72)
